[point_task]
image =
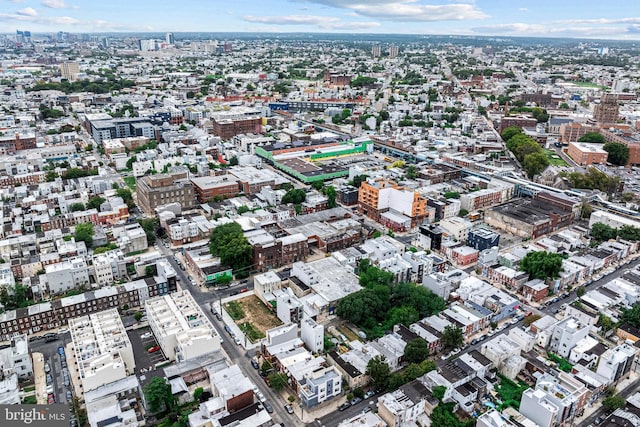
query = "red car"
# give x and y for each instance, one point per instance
(154, 349)
(244, 290)
(51, 399)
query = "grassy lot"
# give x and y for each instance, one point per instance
(510, 392)
(588, 84)
(555, 159)
(351, 336)
(253, 317)
(235, 310)
(131, 182)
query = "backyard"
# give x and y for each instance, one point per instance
(555, 159)
(252, 316)
(131, 182)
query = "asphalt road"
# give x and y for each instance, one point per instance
(601, 412)
(237, 354)
(50, 354)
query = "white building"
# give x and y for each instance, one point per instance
(405, 405)
(181, 328)
(536, 406)
(16, 359)
(102, 348)
(66, 275)
(312, 335)
(505, 355)
(566, 335)
(116, 400)
(616, 363)
(109, 267)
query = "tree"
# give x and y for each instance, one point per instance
(158, 395)
(317, 185)
(76, 207)
(580, 291)
(229, 243)
(405, 315)
(278, 380)
(614, 402)
(530, 319)
(438, 392)
(416, 351)
(197, 393)
(602, 232)
(150, 227)
(605, 322)
(360, 306)
(84, 232)
(618, 153)
(242, 209)
(379, 371)
(452, 337)
(592, 137)
(535, 163)
(95, 202)
(138, 315)
(359, 179)
(126, 196)
(295, 196)
(510, 132)
(331, 194)
(131, 161)
(233, 161)
(412, 172)
(542, 265)
(630, 315)
(451, 195)
(50, 176)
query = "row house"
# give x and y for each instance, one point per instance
(469, 317)
(504, 276)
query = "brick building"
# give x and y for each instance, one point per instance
(240, 120)
(587, 154)
(208, 188)
(161, 189)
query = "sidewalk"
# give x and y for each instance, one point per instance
(39, 378)
(323, 409)
(592, 407)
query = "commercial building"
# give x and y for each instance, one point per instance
(102, 348)
(217, 187)
(482, 239)
(162, 189)
(380, 196)
(69, 71)
(607, 110)
(181, 328)
(236, 121)
(102, 126)
(587, 154)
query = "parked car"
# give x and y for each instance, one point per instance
(514, 320)
(146, 335)
(61, 350)
(355, 400)
(267, 407)
(47, 368)
(219, 316)
(254, 364)
(244, 290)
(63, 363)
(369, 394)
(289, 408)
(234, 293)
(69, 396)
(49, 379)
(366, 409)
(154, 349)
(260, 396)
(51, 399)
(344, 406)
(238, 341)
(228, 329)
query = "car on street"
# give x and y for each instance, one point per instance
(234, 293)
(69, 396)
(254, 364)
(63, 363)
(355, 400)
(366, 409)
(154, 349)
(369, 394)
(219, 316)
(288, 408)
(50, 399)
(244, 290)
(49, 379)
(344, 406)
(238, 341)
(228, 329)
(268, 407)
(146, 335)
(514, 321)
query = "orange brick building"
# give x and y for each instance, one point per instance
(587, 154)
(382, 195)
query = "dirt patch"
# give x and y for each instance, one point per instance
(257, 314)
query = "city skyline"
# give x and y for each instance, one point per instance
(571, 18)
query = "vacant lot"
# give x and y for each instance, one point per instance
(554, 158)
(252, 311)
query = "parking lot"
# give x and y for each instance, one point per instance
(141, 341)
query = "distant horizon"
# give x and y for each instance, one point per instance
(575, 19)
(332, 34)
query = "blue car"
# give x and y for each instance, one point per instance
(61, 350)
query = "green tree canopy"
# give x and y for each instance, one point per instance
(416, 351)
(295, 196)
(76, 207)
(439, 391)
(630, 315)
(379, 371)
(452, 337)
(535, 163)
(592, 137)
(158, 395)
(360, 306)
(594, 179)
(510, 132)
(541, 265)
(412, 172)
(95, 202)
(229, 243)
(602, 232)
(614, 402)
(618, 153)
(278, 380)
(84, 232)
(331, 194)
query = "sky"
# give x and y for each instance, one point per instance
(604, 19)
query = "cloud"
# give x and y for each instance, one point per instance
(408, 10)
(54, 4)
(324, 22)
(553, 29)
(602, 21)
(523, 9)
(27, 11)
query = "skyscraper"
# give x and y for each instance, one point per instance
(375, 50)
(69, 71)
(170, 39)
(393, 51)
(608, 109)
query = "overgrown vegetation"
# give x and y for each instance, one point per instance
(228, 242)
(510, 393)
(542, 265)
(528, 152)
